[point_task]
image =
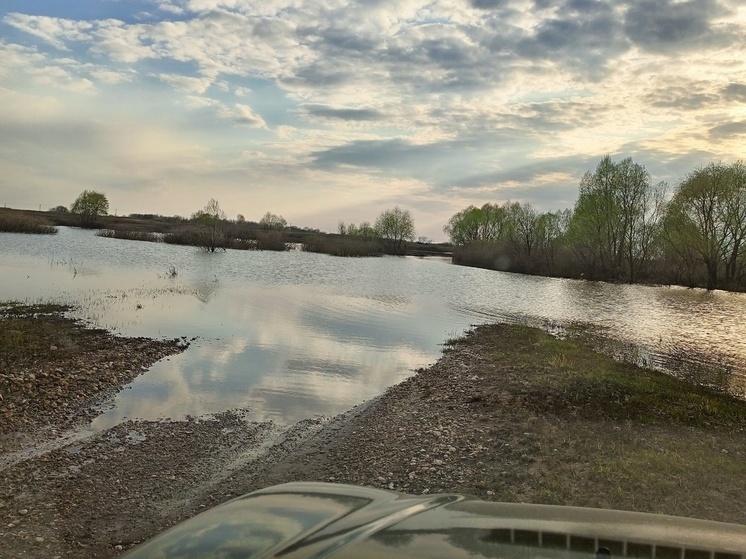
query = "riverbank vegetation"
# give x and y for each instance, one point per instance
(623, 227)
(12, 222)
(343, 245)
(130, 235)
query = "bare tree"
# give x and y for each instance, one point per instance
(212, 231)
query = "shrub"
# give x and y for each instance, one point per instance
(271, 240)
(345, 245)
(130, 235)
(19, 223)
(181, 237)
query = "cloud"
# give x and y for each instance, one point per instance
(368, 153)
(112, 77)
(54, 31)
(690, 97)
(323, 111)
(167, 6)
(243, 115)
(735, 92)
(583, 39)
(187, 84)
(728, 130)
(665, 25)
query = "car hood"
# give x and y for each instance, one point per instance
(303, 520)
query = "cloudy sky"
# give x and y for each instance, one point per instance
(328, 110)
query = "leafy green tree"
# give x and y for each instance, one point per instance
(465, 226)
(394, 227)
(615, 219)
(363, 231)
(90, 205)
(486, 224)
(706, 217)
(551, 229)
(212, 231)
(524, 222)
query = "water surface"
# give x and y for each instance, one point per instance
(293, 335)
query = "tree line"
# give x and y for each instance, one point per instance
(623, 227)
(210, 229)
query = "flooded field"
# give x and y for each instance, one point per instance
(293, 335)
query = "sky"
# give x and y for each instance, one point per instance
(331, 110)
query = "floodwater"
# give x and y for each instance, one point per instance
(293, 335)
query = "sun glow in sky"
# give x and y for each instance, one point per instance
(333, 110)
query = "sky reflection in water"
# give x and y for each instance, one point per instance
(293, 335)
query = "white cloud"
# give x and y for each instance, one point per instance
(242, 114)
(199, 102)
(54, 31)
(167, 6)
(112, 77)
(187, 84)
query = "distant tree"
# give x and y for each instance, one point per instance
(616, 219)
(273, 222)
(424, 240)
(489, 223)
(551, 229)
(394, 227)
(240, 218)
(90, 205)
(524, 221)
(59, 209)
(363, 231)
(707, 218)
(212, 231)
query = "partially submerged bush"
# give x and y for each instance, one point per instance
(343, 245)
(19, 223)
(271, 240)
(182, 237)
(130, 235)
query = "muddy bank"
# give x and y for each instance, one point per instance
(53, 370)
(507, 413)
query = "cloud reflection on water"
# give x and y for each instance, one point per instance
(296, 334)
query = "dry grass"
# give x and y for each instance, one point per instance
(12, 222)
(586, 430)
(337, 245)
(130, 235)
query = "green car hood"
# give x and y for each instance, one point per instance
(304, 520)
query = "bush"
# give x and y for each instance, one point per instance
(271, 240)
(130, 235)
(19, 223)
(491, 256)
(343, 245)
(181, 237)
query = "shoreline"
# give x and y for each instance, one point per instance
(507, 413)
